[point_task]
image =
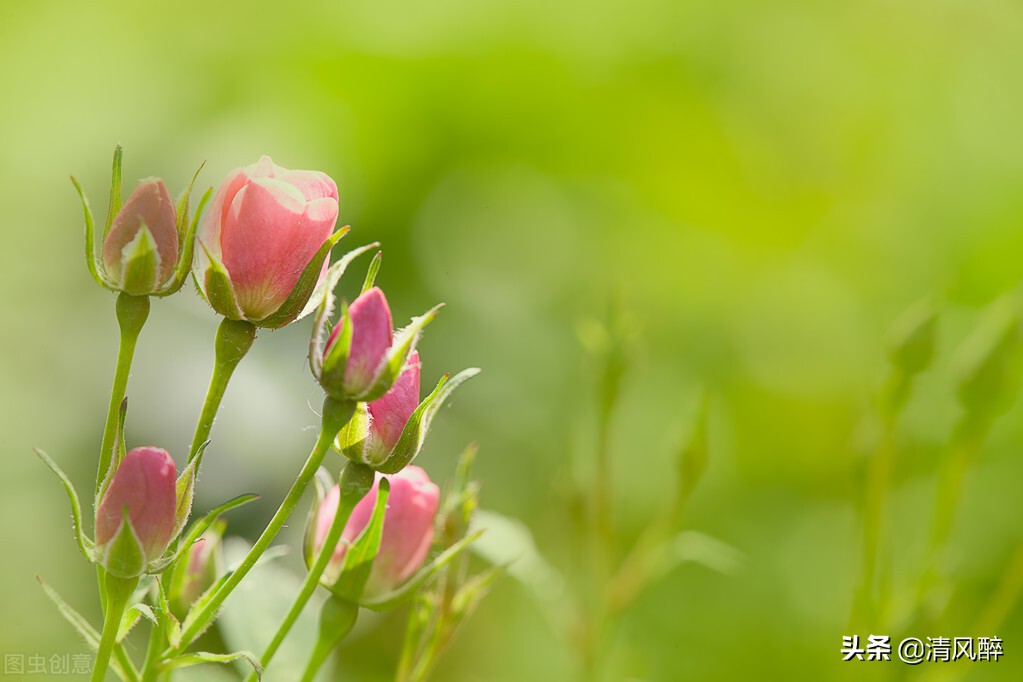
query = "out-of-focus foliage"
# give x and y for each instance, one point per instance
(766, 184)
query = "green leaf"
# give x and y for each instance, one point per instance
(114, 207)
(124, 556)
(132, 615)
(84, 543)
(404, 342)
(360, 556)
(218, 290)
(395, 597)
(173, 626)
(206, 657)
(300, 295)
(140, 264)
(91, 257)
(416, 428)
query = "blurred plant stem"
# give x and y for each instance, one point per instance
(132, 313)
(234, 339)
(335, 415)
(356, 482)
(869, 605)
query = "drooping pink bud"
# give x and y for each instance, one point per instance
(389, 414)
(144, 484)
(149, 207)
(265, 225)
(407, 534)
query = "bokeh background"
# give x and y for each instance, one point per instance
(764, 185)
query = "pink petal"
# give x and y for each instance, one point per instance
(371, 339)
(391, 412)
(145, 484)
(267, 240)
(312, 184)
(151, 204)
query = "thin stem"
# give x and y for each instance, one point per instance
(157, 634)
(234, 338)
(335, 415)
(867, 607)
(132, 312)
(337, 618)
(356, 482)
(118, 591)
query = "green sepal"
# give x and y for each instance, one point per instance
(322, 299)
(118, 454)
(173, 629)
(140, 264)
(404, 342)
(185, 489)
(96, 268)
(332, 371)
(412, 436)
(352, 437)
(132, 615)
(200, 657)
(403, 591)
(371, 272)
(85, 544)
(299, 296)
(114, 206)
(187, 240)
(218, 290)
(198, 528)
(363, 552)
(124, 556)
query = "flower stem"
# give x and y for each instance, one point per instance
(132, 312)
(234, 338)
(337, 618)
(335, 415)
(118, 591)
(356, 482)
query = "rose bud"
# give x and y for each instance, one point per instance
(146, 242)
(141, 250)
(144, 486)
(363, 356)
(407, 531)
(198, 570)
(264, 243)
(387, 433)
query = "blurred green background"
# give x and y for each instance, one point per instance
(765, 185)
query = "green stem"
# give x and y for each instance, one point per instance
(337, 618)
(118, 591)
(356, 482)
(157, 634)
(335, 415)
(234, 338)
(132, 312)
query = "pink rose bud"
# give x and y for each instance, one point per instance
(262, 242)
(388, 415)
(371, 336)
(198, 571)
(407, 532)
(140, 252)
(144, 485)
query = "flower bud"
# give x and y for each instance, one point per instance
(144, 487)
(264, 242)
(197, 571)
(407, 531)
(140, 251)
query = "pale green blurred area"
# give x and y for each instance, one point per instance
(766, 185)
